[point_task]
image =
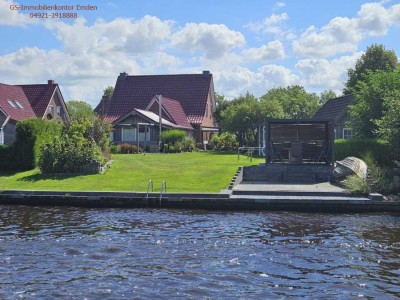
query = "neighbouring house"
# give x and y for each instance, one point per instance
(140, 104)
(336, 109)
(20, 102)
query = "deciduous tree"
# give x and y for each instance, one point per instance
(375, 58)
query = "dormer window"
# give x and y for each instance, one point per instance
(19, 104)
(13, 105)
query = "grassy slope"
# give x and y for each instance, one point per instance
(183, 172)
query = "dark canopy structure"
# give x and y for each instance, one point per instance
(299, 141)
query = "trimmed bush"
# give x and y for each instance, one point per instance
(172, 136)
(380, 150)
(31, 135)
(224, 142)
(6, 161)
(65, 156)
(176, 140)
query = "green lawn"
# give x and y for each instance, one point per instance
(183, 172)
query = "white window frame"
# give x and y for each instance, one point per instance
(128, 138)
(347, 136)
(12, 103)
(58, 109)
(1, 136)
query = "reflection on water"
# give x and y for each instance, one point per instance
(78, 253)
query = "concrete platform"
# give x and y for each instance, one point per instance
(324, 187)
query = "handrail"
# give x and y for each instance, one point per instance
(163, 188)
(149, 184)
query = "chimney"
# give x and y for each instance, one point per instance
(123, 75)
(206, 73)
(50, 81)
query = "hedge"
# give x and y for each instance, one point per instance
(381, 151)
(31, 134)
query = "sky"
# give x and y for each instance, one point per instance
(248, 45)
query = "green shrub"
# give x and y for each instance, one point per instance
(187, 144)
(171, 136)
(6, 160)
(114, 149)
(224, 142)
(176, 140)
(65, 156)
(379, 149)
(380, 178)
(356, 185)
(31, 134)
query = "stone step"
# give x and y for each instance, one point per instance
(291, 193)
(315, 199)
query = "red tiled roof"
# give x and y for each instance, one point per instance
(15, 93)
(39, 96)
(175, 112)
(131, 92)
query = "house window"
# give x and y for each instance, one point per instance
(19, 104)
(112, 136)
(128, 134)
(1, 136)
(347, 133)
(59, 111)
(13, 105)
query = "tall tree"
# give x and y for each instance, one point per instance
(241, 118)
(108, 91)
(375, 58)
(370, 95)
(80, 110)
(221, 105)
(295, 101)
(389, 124)
(326, 95)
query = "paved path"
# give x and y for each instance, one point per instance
(324, 187)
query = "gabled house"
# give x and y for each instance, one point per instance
(185, 101)
(20, 102)
(336, 109)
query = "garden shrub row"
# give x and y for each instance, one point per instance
(224, 142)
(176, 140)
(31, 134)
(380, 150)
(65, 156)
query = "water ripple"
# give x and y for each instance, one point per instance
(83, 253)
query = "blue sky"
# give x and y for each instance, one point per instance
(249, 46)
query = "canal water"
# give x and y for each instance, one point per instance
(77, 253)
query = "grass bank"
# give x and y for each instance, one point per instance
(183, 172)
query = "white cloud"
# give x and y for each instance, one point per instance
(323, 74)
(276, 75)
(278, 6)
(80, 76)
(271, 51)
(12, 17)
(271, 24)
(212, 39)
(342, 35)
(125, 35)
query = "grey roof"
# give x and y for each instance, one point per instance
(334, 108)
